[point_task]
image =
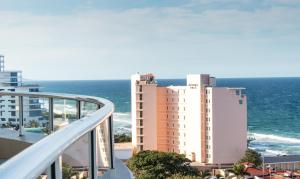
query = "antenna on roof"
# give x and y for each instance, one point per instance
(1, 63)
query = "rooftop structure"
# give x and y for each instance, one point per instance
(205, 122)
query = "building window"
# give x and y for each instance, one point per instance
(141, 105)
(141, 88)
(141, 122)
(241, 102)
(141, 148)
(141, 97)
(12, 101)
(141, 131)
(13, 113)
(141, 114)
(12, 120)
(141, 139)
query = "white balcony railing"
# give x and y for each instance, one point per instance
(46, 156)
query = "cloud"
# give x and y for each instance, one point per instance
(170, 41)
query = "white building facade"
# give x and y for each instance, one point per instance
(12, 81)
(205, 122)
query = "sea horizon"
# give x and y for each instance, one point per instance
(128, 79)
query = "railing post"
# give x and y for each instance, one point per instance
(93, 169)
(55, 170)
(111, 141)
(78, 111)
(21, 116)
(51, 115)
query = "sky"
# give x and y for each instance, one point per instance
(112, 39)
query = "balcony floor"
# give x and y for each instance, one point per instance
(29, 137)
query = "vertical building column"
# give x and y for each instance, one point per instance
(21, 116)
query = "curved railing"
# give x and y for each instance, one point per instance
(46, 157)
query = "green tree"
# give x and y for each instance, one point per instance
(32, 124)
(154, 164)
(238, 170)
(120, 138)
(68, 171)
(47, 130)
(252, 156)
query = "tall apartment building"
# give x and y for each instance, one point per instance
(12, 81)
(206, 123)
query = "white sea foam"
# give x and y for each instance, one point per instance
(270, 152)
(123, 118)
(273, 145)
(275, 138)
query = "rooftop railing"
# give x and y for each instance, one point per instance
(84, 144)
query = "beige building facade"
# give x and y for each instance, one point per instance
(206, 123)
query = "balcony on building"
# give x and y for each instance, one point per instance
(73, 133)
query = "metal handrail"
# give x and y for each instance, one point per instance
(37, 158)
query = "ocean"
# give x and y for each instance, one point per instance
(273, 107)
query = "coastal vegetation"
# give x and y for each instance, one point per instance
(68, 171)
(238, 170)
(32, 124)
(154, 164)
(121, 138)
(252, 156)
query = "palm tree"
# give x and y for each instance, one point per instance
(204, 174)
(238, 170)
